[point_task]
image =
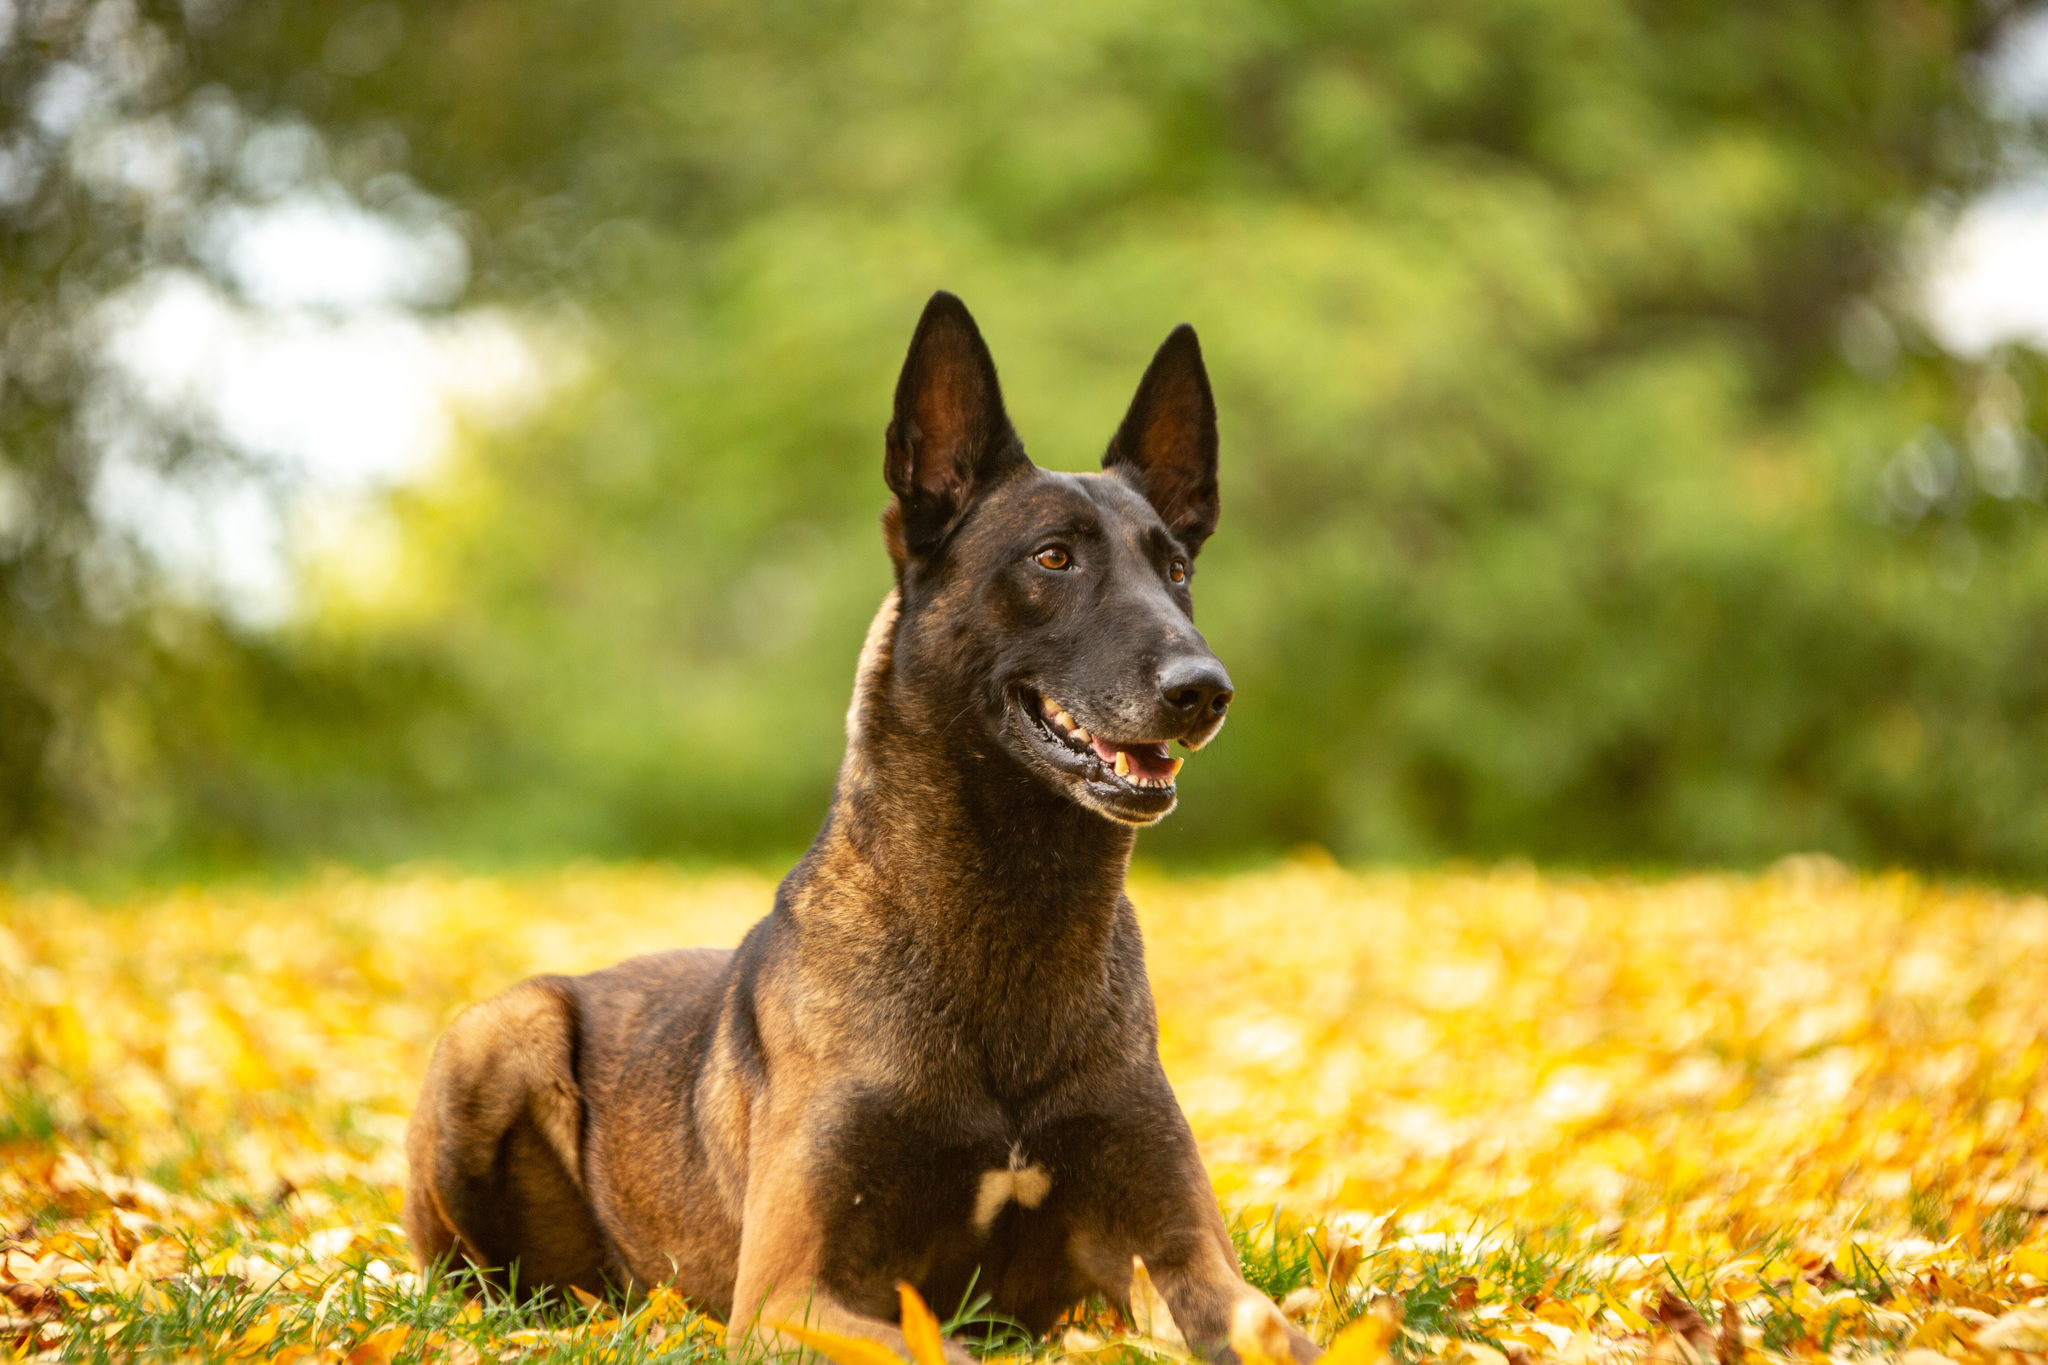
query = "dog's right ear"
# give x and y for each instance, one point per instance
(950, 439)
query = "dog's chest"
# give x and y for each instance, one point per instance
(1018, 1180)
(944, 1200)
(885, 1162)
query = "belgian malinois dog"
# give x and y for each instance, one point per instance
(936, 1060)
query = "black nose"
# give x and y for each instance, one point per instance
(1197, 688)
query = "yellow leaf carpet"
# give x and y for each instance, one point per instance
(1490, 1116)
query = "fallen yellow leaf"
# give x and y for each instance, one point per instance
(379, 1347)
(2030, 1261)
(840, 1350)
(665, 1304)
(159, 1259)
(255, 1336)
(1083, 1344)
(1338, 1255)
(1939, 1330)
(920, 1328)
(2022, 1329)
(1630, 1318)
(1368, 1340)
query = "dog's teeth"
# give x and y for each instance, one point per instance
(1064, 721)
(1123, 764)
(1173, 768)
(1081, 734)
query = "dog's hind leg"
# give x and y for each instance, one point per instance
(495, 1146)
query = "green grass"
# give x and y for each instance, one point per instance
(1441, 1286)
(219, 1318)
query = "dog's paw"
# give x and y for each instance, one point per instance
(1262, 1336)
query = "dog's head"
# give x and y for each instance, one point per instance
(1052, 612)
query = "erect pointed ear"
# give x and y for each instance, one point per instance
(1166, 447)
(950, 439)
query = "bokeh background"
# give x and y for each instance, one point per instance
(455, 429)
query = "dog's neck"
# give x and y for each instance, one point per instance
(953, 840)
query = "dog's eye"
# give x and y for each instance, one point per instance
(1178, 571)
(1053, 557)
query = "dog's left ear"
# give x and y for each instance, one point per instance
(950, 439)
(1166, 447)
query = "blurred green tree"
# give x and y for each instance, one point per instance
(1589, 492)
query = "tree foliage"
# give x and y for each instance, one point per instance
(1589, 490)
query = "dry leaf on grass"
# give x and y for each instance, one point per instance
(1369, 1340)
(840, 1350)
(379, 1347)
(1729, 1348)
(1081, 1345)
(2022, 1329)
(920, 1329)
(1338, 1255)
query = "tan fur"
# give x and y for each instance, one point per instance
(1028, 1185)
(869, 674)
(519, 1096)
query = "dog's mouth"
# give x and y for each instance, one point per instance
(1144, 766)
(1131, 780)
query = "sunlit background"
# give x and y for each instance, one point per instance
(455, 430)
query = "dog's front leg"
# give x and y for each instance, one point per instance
(1209, 1297)
(1174, 1226)
(782, 1242)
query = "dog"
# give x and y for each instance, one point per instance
(936, 1060)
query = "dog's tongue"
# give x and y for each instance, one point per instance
(1149, 761)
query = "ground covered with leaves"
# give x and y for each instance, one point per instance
(1469, 1118)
